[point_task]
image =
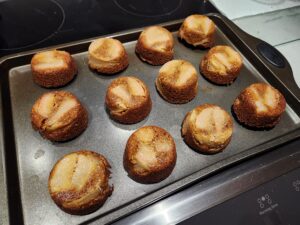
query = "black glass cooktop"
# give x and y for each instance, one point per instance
(31, 24)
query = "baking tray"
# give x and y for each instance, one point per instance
(29, 158)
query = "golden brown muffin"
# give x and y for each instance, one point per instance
(128, 100)
(177, 81)
(107, 55)
(207, 128)
(150, 155)
(221, 64)
(53, 68)
(259, 105)
(198, 30)
(155, 45)
(59, 116)
(78, 182)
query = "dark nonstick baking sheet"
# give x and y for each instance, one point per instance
(36, 156)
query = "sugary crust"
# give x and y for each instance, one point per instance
(247, 112)
(111, 68)
(196, 35)
(76, 120)
(222, 76)
(165, 163)
(149, 53)
(53, 76)
(78, 201)
(100, 49)
(205, 140)
(133, 112)
(167, 82)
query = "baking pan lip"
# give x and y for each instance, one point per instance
(177, 185)
(3, 173)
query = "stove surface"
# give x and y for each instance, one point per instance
(32, 24)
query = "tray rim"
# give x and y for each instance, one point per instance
(171, 188)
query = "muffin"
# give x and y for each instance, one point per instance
(155, 45)
(259, 106)
(128, 100)
(107, 55)
(198, 30)
(207, 128)
(59, 116)
(177, 81)
(221, 65)
(78, 182)
(150, 155)
(53, 68)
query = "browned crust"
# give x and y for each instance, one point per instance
(114, 67)
(70, 131)
(54, 77)
(245, 110)
(177, 94)
(191, 36)
(134, 114)
(61, 197)
(190, 139)
(216, 77)
(155, 174)
(152, 56)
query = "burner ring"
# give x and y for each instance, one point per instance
(23, 26)
(146, 8)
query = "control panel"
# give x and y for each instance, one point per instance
(274, 203)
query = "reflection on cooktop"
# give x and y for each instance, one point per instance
(32, 24)
(25, 23)
(146, 8)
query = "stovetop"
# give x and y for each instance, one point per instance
(32, 24)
